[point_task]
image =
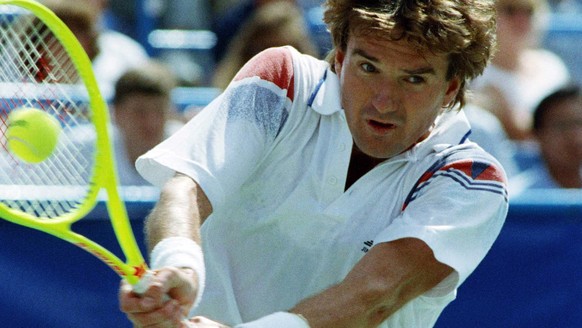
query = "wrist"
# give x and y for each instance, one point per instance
(183, 253)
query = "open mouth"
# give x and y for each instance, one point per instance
(381, 126)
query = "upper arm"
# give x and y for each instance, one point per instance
(387, 277)
(458, 208)
(393, 273)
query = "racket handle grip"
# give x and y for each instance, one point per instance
(144, 283)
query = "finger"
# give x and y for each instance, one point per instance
(131, 302)
(169, 315)
(178, 283)
(128, 301)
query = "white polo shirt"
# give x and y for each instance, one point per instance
(272, 155)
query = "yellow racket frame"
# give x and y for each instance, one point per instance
(104, 175)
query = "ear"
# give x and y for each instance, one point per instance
(339, 61)
(454, 85)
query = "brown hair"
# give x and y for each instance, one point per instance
(79, 16)
(550, 102)
(152, 78)
(464, 30)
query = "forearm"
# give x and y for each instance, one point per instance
(388, 277)
(173, 237)
(182, 208)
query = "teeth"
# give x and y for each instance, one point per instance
(382, 124)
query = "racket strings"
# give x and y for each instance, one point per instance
(36, 71)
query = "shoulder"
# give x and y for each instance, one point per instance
(273, 64)
(467, 169)
(546, 64)
(280, 66)
(471, 162)
(542, 56)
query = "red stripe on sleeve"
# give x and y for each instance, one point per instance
(477, 170)
(274, 65)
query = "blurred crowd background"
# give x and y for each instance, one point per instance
(223, 18)
(526, 109)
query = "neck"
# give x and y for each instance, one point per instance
(360, 164)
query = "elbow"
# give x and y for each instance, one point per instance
(378, 301)
(380, 298)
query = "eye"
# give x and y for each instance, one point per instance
(368, 68)
(415, 79)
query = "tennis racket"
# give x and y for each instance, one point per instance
(42, 65)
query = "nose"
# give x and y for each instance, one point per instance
(385, 99)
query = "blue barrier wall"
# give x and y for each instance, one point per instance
(531, 277)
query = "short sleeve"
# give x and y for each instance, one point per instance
(457, 208)
(221, 146)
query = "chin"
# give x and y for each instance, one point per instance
(379, 154)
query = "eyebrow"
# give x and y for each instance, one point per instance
(421, 71)
(416, 71)
(364, 54)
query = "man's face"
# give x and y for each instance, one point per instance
(391, 93)
(142, 118)
(560, 136)
(515, 23)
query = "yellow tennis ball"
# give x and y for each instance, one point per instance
(32, 134)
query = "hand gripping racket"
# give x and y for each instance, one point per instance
(42, 65)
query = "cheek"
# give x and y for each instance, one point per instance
(421, 130)
(355, 92)
(424, 106)
(421, 122)
(553, 146)
(354, 105)
(346, 94)
(349, 110)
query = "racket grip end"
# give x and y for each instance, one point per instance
(142, 285)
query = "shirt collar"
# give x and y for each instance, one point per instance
(326, 97)
(451, 129)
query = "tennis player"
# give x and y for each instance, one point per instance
(334, 194)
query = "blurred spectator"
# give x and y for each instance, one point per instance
(117, 51)
(276, 23)
(142, 111)
(80, 19)
(228, 22)
(111, 52)
(142, 117)
(557, 127)
(521, 73)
